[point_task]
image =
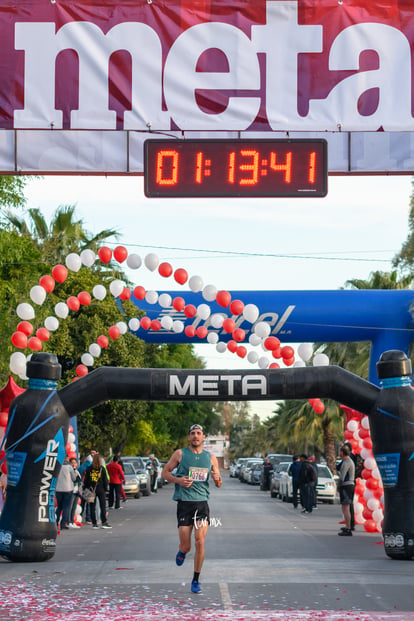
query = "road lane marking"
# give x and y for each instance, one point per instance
(225, 596)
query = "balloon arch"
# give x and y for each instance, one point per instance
(243, 323)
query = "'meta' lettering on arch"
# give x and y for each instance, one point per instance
(217, 385)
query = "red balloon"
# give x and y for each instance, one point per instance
(145, 323)
(25, 327)
(48, 283)
(43, 334)
(277, 353)
(366, 474)
(378, 493)
(81, 370)
(155, 325)
(288, 361)
(139, 293)
(274, 365)
(60, 273)
(120, 253)
(35, 343)
(359, 489)
(84, 298)
(236, 307)
(229, 325)
(105, 254)
(73, 303)
(241, 351)
(239, 335)
(181, 276)
(165, 269)
(190, 311)
(367, 443)
(223, 298)
(3, 467)
(367, 514)
(318, 406)
(287, 351)
(202, 332)
(271, 343)
(114, 332)
(348, 434)
(125, 294)
(370, 526)
(19, 340)
(364, 433)
(4, 417)
(178, 304)
(232, 346)
(102, 341)
(189, 331)
(372, 483)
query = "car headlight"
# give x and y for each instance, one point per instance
(330, 484)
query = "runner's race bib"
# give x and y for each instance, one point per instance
(198, 474)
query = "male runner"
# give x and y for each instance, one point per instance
(191, 480)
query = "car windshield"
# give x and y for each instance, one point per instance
(135, 461)
(324, 472)
(129, 468)
(283, 467)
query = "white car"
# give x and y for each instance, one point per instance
(325, 487)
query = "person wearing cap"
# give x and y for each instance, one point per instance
(195, 467)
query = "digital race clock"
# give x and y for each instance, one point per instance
(238, 168)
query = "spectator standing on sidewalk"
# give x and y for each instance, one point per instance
(96, 479)
(346, 486)
(294, 470)
(64, 494)
(307, 483)
(116, 478)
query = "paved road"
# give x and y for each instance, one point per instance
(264, 560)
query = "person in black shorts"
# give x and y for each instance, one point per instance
(346, 489)
(194, 467)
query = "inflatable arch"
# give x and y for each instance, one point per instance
(39, 421)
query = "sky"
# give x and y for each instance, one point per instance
(244, 244)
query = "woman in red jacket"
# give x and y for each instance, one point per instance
(116, 478)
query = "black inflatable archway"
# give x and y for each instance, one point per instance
(39, 420)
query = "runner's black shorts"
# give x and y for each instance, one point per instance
(188, 513)
(346, 494)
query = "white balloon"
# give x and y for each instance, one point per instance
(358, 507)
(305, 351)
(151, 261)
(209, 293)
(376, 474)
(87, 360)
(373, 503)
(18, 362)
(370, 463)
(252, 357)
(167, 322)
(123, 328)
(178, 326)
(51, 323)
(212, 337)
(134, 261)
(165, 300)
(71, 437)
(116, 287)
(195, 283)
(62, 310)
(299, 363)
(365, 453)
(254, 340)
(263, 362)
(368, 493)
(25, 311)
(134, 324)
(151, 297)
(377, 515)
(37, 294)
(23, 376)
(320, 360)
(88, 257)
(221, 347)
(250, 312)
(73, 262)
(99, 292)
(365, 422)
(203, 311)
(262, 329)
(217, 320)
(352, 425)
(95, 350)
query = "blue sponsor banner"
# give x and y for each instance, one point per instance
(15, 465)
(389, 467)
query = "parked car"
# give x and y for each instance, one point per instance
(239, 464)
(142, 472)
(276, 458)
(132, 482)
(280, 470)
(246, 470)
(325, 488)
(257, 471)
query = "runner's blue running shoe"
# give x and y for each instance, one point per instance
(195, 587)
(180, 558)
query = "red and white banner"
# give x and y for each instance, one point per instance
(204, 66)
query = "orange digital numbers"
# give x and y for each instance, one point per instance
(167, 167)
(253, 167)
(312, 167)
(287, 166)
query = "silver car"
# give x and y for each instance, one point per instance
(141, 471)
